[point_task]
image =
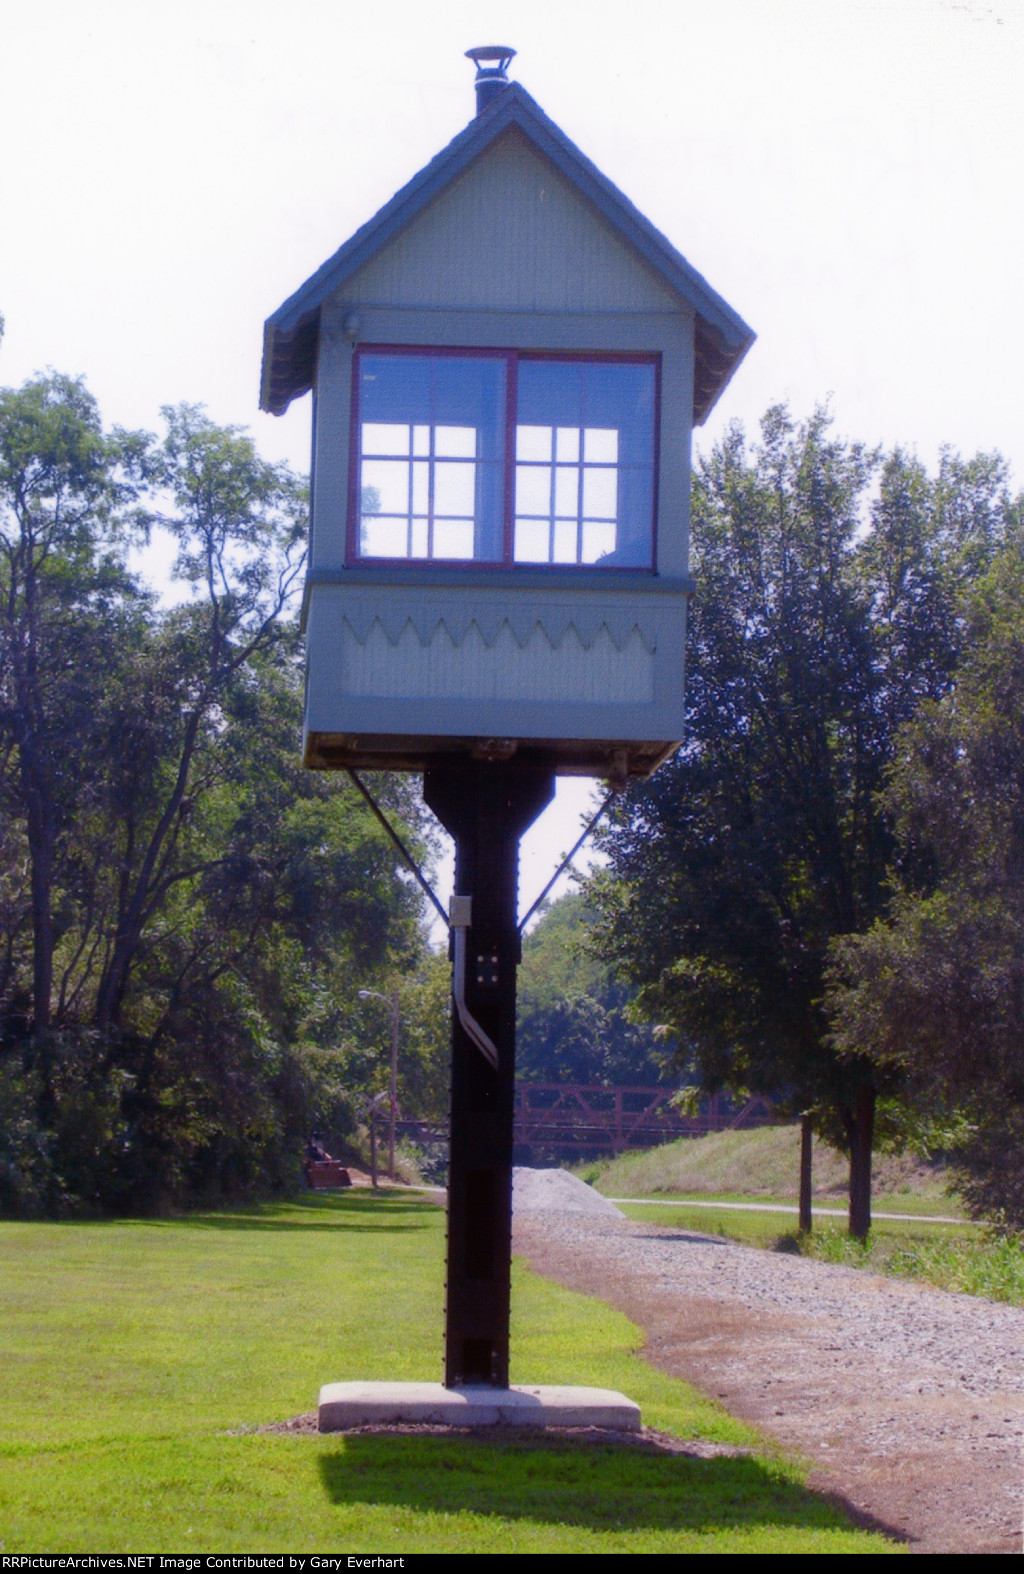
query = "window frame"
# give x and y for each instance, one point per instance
(512, 358)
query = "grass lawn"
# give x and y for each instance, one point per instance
(763, 1228)
(140, 1356)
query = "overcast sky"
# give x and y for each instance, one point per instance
(846, 173)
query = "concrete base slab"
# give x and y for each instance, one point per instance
(344, 1405)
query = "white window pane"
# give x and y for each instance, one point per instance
(454, 489)
(598, 539)
(601, 445)
(565, 541)
(567, 487)
(420, 486)
(453, 538)
(419, 538)
(383, 538)
(385, 437)
(533, 442)
(421, 441)
(600, 494)
(533, 489)
(567, 444)
(385, 484)
(531, 541)
(455, 442)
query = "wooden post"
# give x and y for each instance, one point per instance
(806, 1172)
(485, 807)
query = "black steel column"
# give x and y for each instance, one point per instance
(485, 807)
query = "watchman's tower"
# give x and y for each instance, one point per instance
(507, 362)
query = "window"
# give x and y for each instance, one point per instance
(503, 458)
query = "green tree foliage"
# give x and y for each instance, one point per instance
(67, 496)
(813, 639)
(424, 1039)
(572, 1019)
(936, 989)
(186, 915)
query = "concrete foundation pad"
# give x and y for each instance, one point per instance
(344, 1405)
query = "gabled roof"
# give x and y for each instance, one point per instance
(290, 335)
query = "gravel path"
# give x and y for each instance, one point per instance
(909, 1402)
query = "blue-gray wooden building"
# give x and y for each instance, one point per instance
(507, 362)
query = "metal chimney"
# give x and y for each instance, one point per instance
(491, 61)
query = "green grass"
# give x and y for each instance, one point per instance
(963, 1259)
(139, 1357)
(761, 1164)
(756, 1228)
(825, 1208)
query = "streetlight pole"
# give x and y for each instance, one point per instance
(374, 994)
(393, 1085)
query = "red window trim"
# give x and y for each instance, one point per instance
(512, 357)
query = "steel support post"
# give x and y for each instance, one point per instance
(485, 807)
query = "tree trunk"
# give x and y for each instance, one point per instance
(136, 909)
(860, 1129)
(39, 825)
(806, 1158)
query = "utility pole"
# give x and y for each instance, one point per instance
(393, 1085)
(374, 994)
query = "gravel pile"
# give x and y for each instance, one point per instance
(556, 1192)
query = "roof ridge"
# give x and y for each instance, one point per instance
(290, 332)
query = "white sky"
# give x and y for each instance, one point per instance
(846, 173)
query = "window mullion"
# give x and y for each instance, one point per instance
(579, 502)
(430, 488)
(552, 495)
(508, 530)
(409, 497)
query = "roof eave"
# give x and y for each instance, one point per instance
(289, 354)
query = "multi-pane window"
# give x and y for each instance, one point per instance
(431, 456)
(567, 493)
(502, 458)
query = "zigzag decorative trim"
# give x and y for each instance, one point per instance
(427, 623)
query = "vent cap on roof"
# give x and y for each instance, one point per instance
(492, 62)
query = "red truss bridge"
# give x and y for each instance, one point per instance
(577, 1118)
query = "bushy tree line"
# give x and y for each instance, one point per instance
(827, 790)
(935, 990)
(186, 915)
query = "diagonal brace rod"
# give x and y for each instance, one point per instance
(566, 861)
(406, 854)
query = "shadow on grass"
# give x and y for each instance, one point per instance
(359, 1210)
(684, 1237)
(560, 1481)
(356, 1209)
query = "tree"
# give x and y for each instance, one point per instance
(572, 1019)
(239, 526)
(186, 915)
(812, 641)
(67, 500)
(935, 989)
